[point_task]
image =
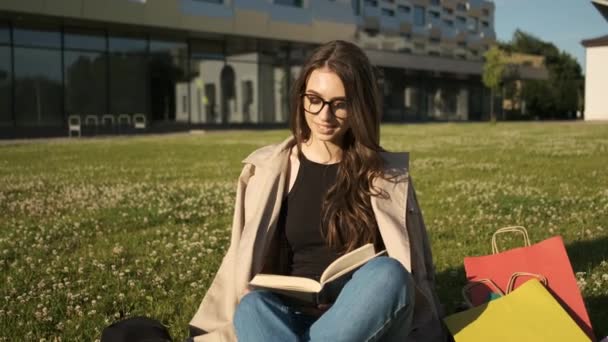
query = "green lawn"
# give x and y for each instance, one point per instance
(93, 230)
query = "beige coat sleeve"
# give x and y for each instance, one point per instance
(428, 314)
(214, 316)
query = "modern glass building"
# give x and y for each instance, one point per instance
(186, 64)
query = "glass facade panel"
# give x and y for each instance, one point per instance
(37, 37)
(243, 106)
(273, 52)
(207, 49)
(38, 87)
(85, 40)
(419, 15)
(169, 75)
(392, 89)
(226, 85)
(473, 24)
(6, 106)
(295, 3)
(274, 74)
(274, 95)
(299, 53)
(129, 75)
(173, 48)
(128, 84)
(168, 87)
(5, 34)
(411, 101)
(242, 58)
(206, 94)
(242, 49)
(85, 77)
(132, 45)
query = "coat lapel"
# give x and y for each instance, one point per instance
(390, 210)
(271, 174)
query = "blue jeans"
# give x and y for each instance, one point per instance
(376, 304)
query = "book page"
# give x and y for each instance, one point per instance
(273, 281)
(348, 262)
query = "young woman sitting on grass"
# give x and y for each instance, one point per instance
(325, 191)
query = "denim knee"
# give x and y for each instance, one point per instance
(391, 276)
(250, 305)
(384, 266)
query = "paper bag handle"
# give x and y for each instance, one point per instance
(514, 229)
(511, 285)
(467, 288)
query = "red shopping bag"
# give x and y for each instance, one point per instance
(547, 257)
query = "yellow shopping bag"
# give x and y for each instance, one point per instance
(529, 313)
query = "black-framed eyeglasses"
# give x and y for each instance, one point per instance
(314, 104)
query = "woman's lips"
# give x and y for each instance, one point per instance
(326, 128)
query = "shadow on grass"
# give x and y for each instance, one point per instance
(584, 256)
(588, 254)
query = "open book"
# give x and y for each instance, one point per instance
(306, 291)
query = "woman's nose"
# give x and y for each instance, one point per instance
(325, 114)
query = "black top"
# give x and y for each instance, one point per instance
(300, 219)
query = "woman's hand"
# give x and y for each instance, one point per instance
(323, 307)
(317, 312)
(245, 291)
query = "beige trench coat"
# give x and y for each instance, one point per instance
(261, 188)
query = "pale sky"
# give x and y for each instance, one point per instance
(563, 22)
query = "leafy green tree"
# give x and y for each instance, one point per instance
(493, 73)
(558, 97)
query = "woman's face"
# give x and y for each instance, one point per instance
(329, 124)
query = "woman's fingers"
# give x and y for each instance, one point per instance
(245, 291)
(323, 307)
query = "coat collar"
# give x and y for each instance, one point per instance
(269, 157)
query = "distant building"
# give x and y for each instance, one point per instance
(596, 71)
(224, 63)
(532, 66)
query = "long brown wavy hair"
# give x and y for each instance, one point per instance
(347, 218)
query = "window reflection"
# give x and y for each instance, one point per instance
(128, 75)
(241, 81)
(419, 15)
(5, 36)
(37, 37)
(208, 103)
(274, 75)
(128, 45)
(204, 90)
(38, 89)
(211, 80)
(168, 70)
(127, 84)
(415, 96)
(242, 57)
(274, 95)
(207, 49)
(173, 48)
(5, 87)
(85, 83)
(85, 40)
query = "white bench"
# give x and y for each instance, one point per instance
(74, 125)
(107, 120)
(91, 120)
(139, 121)
(124, 119)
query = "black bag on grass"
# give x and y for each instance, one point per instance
(136, 329)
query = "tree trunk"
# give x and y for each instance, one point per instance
(502, 103)
(492, 114)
